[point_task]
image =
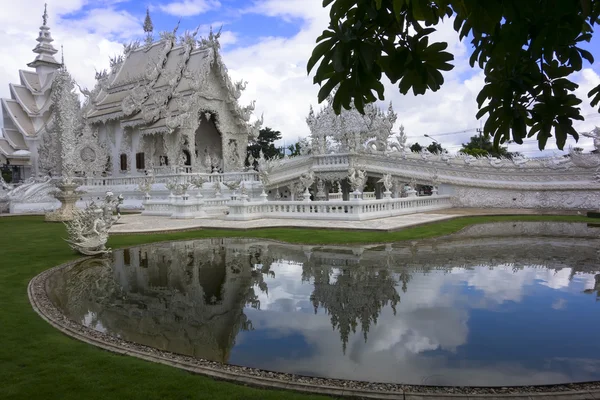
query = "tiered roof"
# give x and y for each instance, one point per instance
(27, 109)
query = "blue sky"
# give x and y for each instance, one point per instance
(266, 43)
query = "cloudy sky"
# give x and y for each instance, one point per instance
(265, 42)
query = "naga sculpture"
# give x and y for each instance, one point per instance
(88, 230)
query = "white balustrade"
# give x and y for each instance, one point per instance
(337, 196)
(335, 210)
(109, 181)
(369, 196)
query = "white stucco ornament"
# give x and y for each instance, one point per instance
(88, 230)
(387, 182)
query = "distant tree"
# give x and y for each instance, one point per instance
(416, 147)
(435, 148)
(265, 142)
(481, 145)
(294, 149)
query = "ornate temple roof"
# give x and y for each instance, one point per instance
(145, 86)
(29, 102)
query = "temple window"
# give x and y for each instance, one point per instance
(139, 161)
(123, 162)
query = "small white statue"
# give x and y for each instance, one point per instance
(88, 230)
(387, 182)
(357, 178)
(307, 179)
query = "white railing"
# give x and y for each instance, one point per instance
(158, 207)
(251, 176)
(177, 207)
(335, 210)
(369, 196)
(336, 196)
(332, 159)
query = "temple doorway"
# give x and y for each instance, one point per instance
(208, 141)
(188, 158)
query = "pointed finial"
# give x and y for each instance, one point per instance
(62, 55)
(148, 25)
(45, 16)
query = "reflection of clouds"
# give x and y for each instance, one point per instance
(412, 345)
(501, 283)
(559, 304)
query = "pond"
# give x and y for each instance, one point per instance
(497, 304)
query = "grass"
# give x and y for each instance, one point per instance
(38, 362)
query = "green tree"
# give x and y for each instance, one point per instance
(435, 148)
(265, 142)
(481, 145)
(416, 147)
(294, 149)
(527, 50)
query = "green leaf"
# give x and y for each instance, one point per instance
(326, 89)
(594, 94)
(397, 7)
(318, 53)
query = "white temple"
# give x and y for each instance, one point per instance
(163, 127)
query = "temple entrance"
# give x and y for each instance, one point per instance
(187, 158)
(208, 143)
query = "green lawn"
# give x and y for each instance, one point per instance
(38, 362)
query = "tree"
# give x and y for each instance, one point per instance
(481, 146)
(416, 147)
(435, 148)
(294, 149)
(265, 142)
(526, 49)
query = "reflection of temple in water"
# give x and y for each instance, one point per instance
(189, 297)
(596, 288)
(185, 297)
(354, 295)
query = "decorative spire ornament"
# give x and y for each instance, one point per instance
(45, 15)
(148, 27)
(44, 49)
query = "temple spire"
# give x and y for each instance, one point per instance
(44, 49)
(148, 27)
(45, 15)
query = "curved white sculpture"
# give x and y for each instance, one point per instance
(88, 230)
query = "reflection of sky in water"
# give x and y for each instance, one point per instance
(483, 326)
(489, 323)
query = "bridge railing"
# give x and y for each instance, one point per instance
(335, 210)
(109, 181)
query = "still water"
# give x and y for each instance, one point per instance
(500, 304)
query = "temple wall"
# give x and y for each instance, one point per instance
(473, 197)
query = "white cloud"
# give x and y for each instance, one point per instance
(88, 41)
(188, 8)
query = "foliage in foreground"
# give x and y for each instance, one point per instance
(527, 50)
(38, 362)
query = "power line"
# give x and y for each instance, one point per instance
(479, 130)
